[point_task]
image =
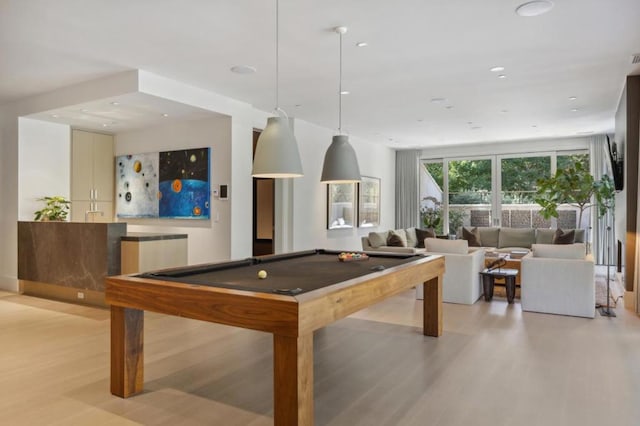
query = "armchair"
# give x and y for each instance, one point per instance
(461, 282)
(558, 279)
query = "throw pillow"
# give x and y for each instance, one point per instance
(377, 239)
(412, 238)
(397, 238)
(561, 237)
(421, 234)
(437, 245)
(472, 236)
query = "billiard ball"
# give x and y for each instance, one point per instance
(262, 274)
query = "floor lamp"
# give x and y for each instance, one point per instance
(606, 311)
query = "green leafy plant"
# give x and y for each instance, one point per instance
(577, 187)
(56, 209)
(431, 212)
(456, 219)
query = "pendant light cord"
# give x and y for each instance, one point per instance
(277, 54)
(340, 91)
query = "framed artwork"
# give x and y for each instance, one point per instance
(341, 205)
(167, 185)
(369, 202)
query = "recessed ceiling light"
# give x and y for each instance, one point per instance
(54, 116)
(574, 110)
(344, 92)
(469, 123)
(243, 69)
(298, 105)
(362, 44)
(572, 98)
(165, 115)
(449, 107)
(497, 69)
(534, 8)
(534, 125)
(502, 76)
(504, 111)
(105, 125)
(420, 120)
(114, 103)
(437, 100)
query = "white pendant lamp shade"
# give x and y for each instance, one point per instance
(277, 153)
(340, 162)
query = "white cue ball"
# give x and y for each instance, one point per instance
(262, 274)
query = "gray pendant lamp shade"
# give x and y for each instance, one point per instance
(277, 153)
(340, 162)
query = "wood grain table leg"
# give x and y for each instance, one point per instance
(432, 305)
(293, 380)
(127, 351)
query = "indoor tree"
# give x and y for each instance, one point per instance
(574, 186)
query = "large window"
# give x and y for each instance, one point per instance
(496, 190)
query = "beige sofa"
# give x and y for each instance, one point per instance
(508, 239)
(377, 241)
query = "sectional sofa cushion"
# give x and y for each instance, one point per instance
(397, 238)
(421, 234)
(544, 236)
(472, 236)
(438, 245)
(562, 237)
(559, 251)
(489, 236)
(514, 237)
(412, 238)
(377, 239)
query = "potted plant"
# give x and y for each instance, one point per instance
(56, 209)
(574, 186)
(431, 213)
(456, 220)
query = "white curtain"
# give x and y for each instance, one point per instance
(602, 238)
(407, 188)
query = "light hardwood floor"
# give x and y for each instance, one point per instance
(494, 365)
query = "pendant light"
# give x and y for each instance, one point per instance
(277, 153)
(340, 161)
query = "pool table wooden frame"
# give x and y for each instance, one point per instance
(291, 319)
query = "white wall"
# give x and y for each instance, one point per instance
(44, 165)
(209, 240)
(310, 195)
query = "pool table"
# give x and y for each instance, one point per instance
(302, 292)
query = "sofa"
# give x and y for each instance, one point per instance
(508, 239)
(380, 241)
(461, 281)
(558, 279)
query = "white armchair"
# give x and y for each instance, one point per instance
(461, 281)
(558, 279)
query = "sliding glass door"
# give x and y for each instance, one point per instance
(497, 190)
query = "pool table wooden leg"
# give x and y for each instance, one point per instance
(127, 351)
(432, 305)
(293, 380)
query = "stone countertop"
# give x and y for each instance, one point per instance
(149, 236)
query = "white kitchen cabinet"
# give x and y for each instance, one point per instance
(92, 176)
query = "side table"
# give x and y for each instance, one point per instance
(488, 282)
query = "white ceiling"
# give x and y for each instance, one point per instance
(418, 50)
